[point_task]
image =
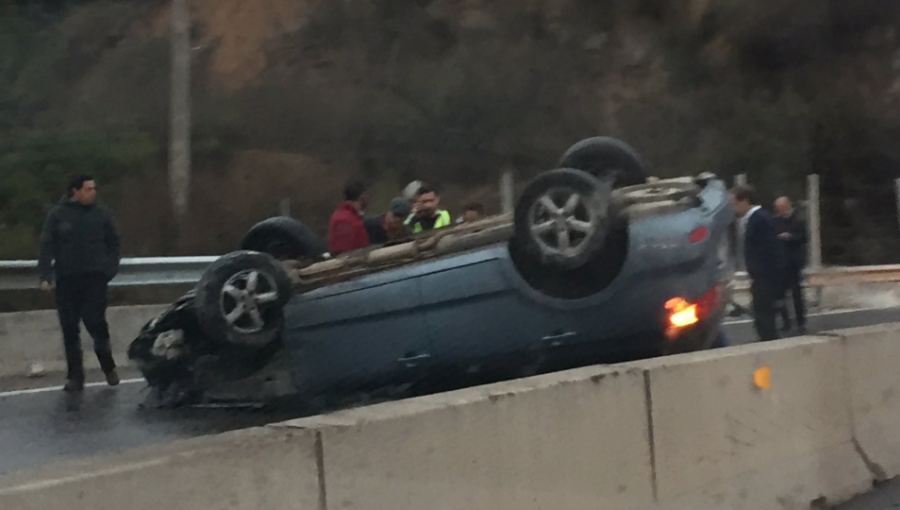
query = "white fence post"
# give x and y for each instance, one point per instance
(897, 191)
(507, 192)
(814, 221)
(740, 180)
(284, 208)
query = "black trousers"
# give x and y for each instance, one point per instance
(83, 298)
(765, 295)
(793, 284)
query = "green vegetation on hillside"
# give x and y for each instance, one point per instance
(451, 92)
(34, 166)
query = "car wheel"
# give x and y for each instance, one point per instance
(603, 156)
(240, 299)
(284, 239)
(562, 217)
(656, 192)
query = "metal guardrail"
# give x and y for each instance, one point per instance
(22, 274)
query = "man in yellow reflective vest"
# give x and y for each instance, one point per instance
(426, 215)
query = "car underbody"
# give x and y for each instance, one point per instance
(225, 340)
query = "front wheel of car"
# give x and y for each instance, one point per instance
(240, 299)
(606, 157)
(563, 217)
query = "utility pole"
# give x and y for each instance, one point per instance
(180, 111)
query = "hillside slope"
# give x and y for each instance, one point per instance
(292, 97)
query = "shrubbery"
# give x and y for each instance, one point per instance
(34, 166)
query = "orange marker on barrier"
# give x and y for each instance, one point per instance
(762, 378)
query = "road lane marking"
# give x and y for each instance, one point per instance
(59, 388)
(46, 484)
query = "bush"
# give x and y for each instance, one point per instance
(34, 166)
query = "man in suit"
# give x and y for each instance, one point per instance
(763, 257)
(793, 234)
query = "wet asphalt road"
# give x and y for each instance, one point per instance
(884, 497)
(38, 428)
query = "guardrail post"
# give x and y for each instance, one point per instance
(507, 191)
(284, 208)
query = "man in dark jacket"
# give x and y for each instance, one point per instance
(389, 226)
(793, 234)
(763, 257)
(82, 240)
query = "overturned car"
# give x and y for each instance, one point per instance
(597, 264)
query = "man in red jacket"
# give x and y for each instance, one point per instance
(346, 230)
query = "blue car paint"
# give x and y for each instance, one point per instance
(454, 312)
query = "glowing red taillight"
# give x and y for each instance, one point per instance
(697, 235)
(681, 313)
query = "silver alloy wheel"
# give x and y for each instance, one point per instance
(245, 297)
(561, 222)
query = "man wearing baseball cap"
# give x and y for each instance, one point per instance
(389, 226)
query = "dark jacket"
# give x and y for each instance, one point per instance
(80, 239)
(378, 234)
(346, 230)
(795, 246)
(763, 253)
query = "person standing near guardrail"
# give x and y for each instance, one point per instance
(81, 240)
(426, 215)
(346, 227)
(763, 257)
(793, 234)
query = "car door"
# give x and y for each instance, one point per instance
(359, 334)
(475, 317)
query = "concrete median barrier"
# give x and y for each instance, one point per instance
(795, 424)
(571, 440)
(783, 440)
(872, 362)
(254, 469)
(35, 337)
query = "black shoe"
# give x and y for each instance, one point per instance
(74, 386)
(112, 378)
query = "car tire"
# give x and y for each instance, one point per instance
(604, 157)
(658, 192)
(240, 299)
(563, 217)
(284, 239)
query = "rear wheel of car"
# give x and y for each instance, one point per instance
(562, 218)
(603, 157)
(240, 299)
(284, 239)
